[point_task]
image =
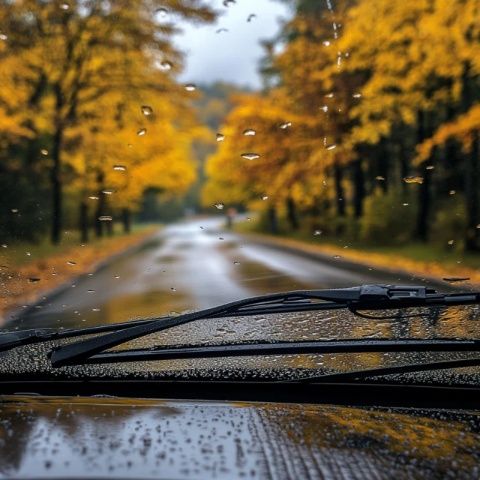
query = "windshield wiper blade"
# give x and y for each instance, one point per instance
(287, 348)
(398, 369)
(367, 297)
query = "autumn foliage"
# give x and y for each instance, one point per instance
(371, 120)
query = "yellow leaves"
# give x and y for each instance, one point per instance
(463, 129)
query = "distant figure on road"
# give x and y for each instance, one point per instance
(231, 213)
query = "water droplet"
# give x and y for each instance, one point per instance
(3, 37)
(324, 108)
(108, 191)
(190, 87)
(33, 279)
(285, 125)
(221, 238)
(147, 111)
(265, 197)
(173, 289)
(452, 192)
(14, 210)
(120, 168)
(478, 226)
(451, 242)
(329, 95)
(28, 254)
(456, 279)
(95, 309)
(251, 17)
(162, 12)
(165, 65)
(249, 132)
(90, 291)
(236, 262)
(250, 156)
(105, 218)
(93, 197)
(229, 3)
(116, 277)
(64, 6)
(142, 132)
(71, 262)
(380, 178)
(219, 206)
(4, 245)
(44, 152)
(326, 43)
(220, 137)
(405, 204)
(317, 233)
(413, 179)
(337, 257)
(357, 95)
(331, 147)
(429, 167)
(222, 30)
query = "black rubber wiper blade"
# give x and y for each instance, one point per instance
(399, 369)
(367, 297)
(287, 348)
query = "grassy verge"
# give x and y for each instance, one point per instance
(417, 259)
(28, 271)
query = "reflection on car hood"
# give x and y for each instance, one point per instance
(44, 437)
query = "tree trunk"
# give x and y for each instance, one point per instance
(109, 228)
(273, 220)
(472, 178)
(126, 220)
(292, 213)
(339, 192)
(358, 188)
(83, 222)
(424, 197)
(56, 232)
(100, 206)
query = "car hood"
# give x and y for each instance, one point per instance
(102, 437)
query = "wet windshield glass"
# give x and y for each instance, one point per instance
(165, 156)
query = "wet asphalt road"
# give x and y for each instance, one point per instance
(190, 265)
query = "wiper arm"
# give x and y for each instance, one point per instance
(287, 348)
(367, 297)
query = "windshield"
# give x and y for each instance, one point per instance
(159, 157)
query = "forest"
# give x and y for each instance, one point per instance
(91, 113)
(367, 128)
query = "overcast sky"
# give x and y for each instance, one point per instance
(231, 56)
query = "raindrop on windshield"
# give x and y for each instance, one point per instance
(147, 111)
(105, 218)
(219, 206)
(326, 43)
(222, 30)
(33, 279)
(64, 6)
(331, 147)
(451, 242)
(71, 262)
(228, 3)
(380, 178)
(93, 197)
(249, 132)
(250, 156)
(120, 168)
(452, 192)
(414, 179)
(190, 87)
(329, 95)
(324, 108)
(44, 152)
(166, 65)
(285, 125)
(3, 37)
(220, 137)
(162, 12)
(108, 191)
(251, 17)
(456, 279)
(141, 132)
(265, 197)
(357, 95)
(317, 233)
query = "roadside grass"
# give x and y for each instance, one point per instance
(29, 271)
(430, 260)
